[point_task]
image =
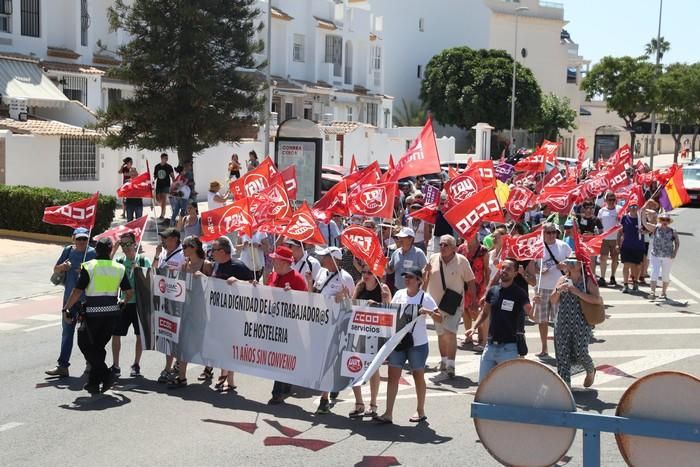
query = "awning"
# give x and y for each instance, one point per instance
(584, 111)
(24, 78)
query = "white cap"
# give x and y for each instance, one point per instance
(406, 232)
(334, 251)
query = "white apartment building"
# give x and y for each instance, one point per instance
(418, 30)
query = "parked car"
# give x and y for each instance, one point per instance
(691, 180)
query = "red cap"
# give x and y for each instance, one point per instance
(283, 253)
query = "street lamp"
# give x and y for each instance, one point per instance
(653, 113)
(512, 93)
(268, 93)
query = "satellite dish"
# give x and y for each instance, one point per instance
(668, 396)
(525, 383)
(523, 52)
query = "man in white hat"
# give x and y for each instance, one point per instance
(303, 263)
(405, 257)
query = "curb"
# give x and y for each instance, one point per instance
(37, 237)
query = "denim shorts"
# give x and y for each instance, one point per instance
(416, 356)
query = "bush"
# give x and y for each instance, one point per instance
(22, 208)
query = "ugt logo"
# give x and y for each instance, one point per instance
(303, 228)
(363, 242)
(463, 189)
(254, 183)
(374, 199)
(475, 215)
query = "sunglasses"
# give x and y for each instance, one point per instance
(81, 239)
(126, 244)
(444, 245)
(610, 199)
(366, 273)
(550, 231)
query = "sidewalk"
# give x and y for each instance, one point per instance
(664, 160)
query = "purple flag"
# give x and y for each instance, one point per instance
(432, 194)
(504, 171)
(664, 201)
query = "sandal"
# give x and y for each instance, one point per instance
(382, 421)
(208, 373)
(220, 383)
(177, 383)
(372, 412)
(417, 418)
(227, 388)
(359, 411)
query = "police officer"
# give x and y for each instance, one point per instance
(100, 279)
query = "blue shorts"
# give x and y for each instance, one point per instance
(416, 356)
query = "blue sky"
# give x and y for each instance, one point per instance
(623, 27)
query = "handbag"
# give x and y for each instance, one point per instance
(407, 340)
(59, 277)
(450, 300)
(594, 314)
(520, 342)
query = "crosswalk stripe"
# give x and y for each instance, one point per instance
(45, 317)
(669, 315)
(10, 425)
(10, 326)
(43, 326)
(605, 290)
(615, 332)
(646, 302)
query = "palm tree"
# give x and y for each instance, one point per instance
(662, 45)
(410, 114)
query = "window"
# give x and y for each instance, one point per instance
(376, 58)
(113, 96)
(288, 110)
(421, 24)
(30, 18)
(307, 113)
(74, 88)
(298, 48)
(84, 23)
(571, 75)
(334, 53)
(419, 72)
(372, 113)
(5, 15)
(77, 159)
(349, 114)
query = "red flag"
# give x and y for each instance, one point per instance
(581, 149)
(523, 247)
(427, 213)
(462, 187)
(335, 201)
(573, 172)
(594, 186)
(289, 177)
(559, 199)
(593, 245)
(467, 216)
(623, 157)
(452, 173)
(364, 244)
(536, 162)
(137, 187)
(353, 165)
(373, 200)
(421, 158)
(270, 204)
(617, 177)
(303, 227)
(369, 175)
(631, 194)
(254, 181)
(664, 175)
(137, 226)
(519, 200)
(553, 178)
(525, 179)
(76, 214)
(483, 169)
(229, 218)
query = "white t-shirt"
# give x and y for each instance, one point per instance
(211, 202)
(420, 332)
(247, 251)
(302, 266)
(551, 274)
(174, 262)
(608, 217)
(336, 282)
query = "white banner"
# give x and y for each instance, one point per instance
(170, 288)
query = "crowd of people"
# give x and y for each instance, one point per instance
(452, 281)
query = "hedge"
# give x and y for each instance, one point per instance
(22, 207)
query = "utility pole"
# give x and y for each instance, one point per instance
(268, 98)
(653, 113)
(512, 92)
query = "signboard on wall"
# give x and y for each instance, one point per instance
(300, 143)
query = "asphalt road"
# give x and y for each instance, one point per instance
(54, 422)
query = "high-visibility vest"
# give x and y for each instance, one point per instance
(101, 294)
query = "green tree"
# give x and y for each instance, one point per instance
(679, 88)
(410, 113)
(184, 60)
(463, 86)
(662, 45)
(628, 85)
(556, 115)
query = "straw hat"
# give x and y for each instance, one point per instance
(214, 185)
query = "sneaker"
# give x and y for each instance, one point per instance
(625, 289)
(135, 370)
(652, 296)
(602, 283)
(450, 372)
(115, 370)
(443, 367)
(92, 388)
(334, 396)
(613, 282)
(60, 371)
(109, 381)
(635, 287)
(323, 407)
(276, 400)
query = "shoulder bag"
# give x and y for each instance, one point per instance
(556, 261)
(594, 314)
(450, 300)
(59, 278)
(407, 341)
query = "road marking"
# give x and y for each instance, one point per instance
(43, 326)
(6, 305)
(617, 332)
(45, 317)
(687, 289)
(10, 326)
(645, 302)
(9, 426)
(605, 290)
(41, 298)
(617, 316)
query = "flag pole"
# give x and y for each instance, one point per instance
(91, 226)
(153, 203)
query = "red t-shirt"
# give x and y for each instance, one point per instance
(295, 280)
